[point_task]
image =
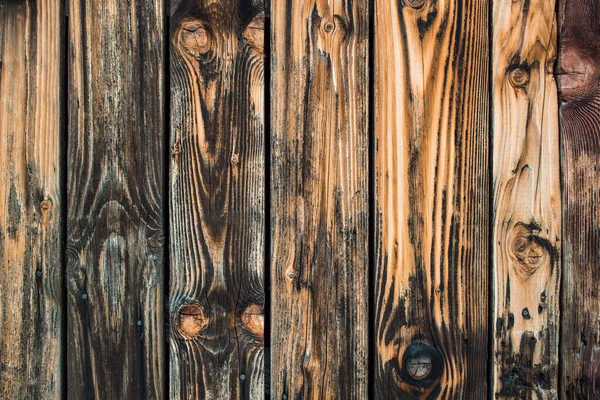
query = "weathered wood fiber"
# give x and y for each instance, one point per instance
(31, 311)
(527, 200)
(431, 117)
(217, 180)
(115, 234)
(319, 189)
(578, 75)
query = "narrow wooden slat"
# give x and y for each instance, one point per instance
(31, 271)
(431, 116)
(578, 80)
(527, 200)
(319, 189)
(115, 217)
(217, 181)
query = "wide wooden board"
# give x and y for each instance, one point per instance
(526, 200)
(31, 272)
(217, 184)
(115, 327)
(319, 189)
(578, 75)
(431, 117)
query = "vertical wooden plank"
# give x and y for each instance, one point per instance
(527, 200)
(579, 85)
(431, 198)
(217, 181)
(31, 312)
(319, 172)
(115, 217)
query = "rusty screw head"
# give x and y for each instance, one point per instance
(414, 3)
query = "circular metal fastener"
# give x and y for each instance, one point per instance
(422, 364)
(84, 296)
(242, 377)
(414, 3)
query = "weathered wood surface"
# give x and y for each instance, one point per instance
(31, 274)
(319, 189)
(115, 325)
(526, 200)
(431, 117)
(578, 73)
(217, 181)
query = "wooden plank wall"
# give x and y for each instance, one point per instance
(365, 199)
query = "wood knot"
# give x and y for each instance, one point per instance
(235, 158)
(577, 74)
(192, 320)
(328, 27)
(253, 319)
(422, 364)
(519, 77)
(414, 3)
(46, 205)
(176, 149)
(527, 250)
(195, 38)
(254, 33)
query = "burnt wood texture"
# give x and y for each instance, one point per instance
(432, 209)
(319, 190)
(526, 200)
(217, 181)
(31, 273)
(115, 327)
(578, 74)
(365, 199)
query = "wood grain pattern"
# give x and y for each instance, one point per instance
(217, 181)
(578, 75)
(527, 200)
(115, 188)
(431, 117)
(319, 187)
(31, 311)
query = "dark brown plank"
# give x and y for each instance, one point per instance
(527, 201)
(432, 209)
(217, 206)
(115, 188)
(578, 78)
(319, 178)
(31, 273)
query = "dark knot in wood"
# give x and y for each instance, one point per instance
(527, 250)
(194, 38)
(519, 77)
(422, 364)
(192, 320)
(329, 26)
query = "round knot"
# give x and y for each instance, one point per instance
(194, 37)
(527, 250)
(414, 3)
(519, 77)
(45, 205)
(192, 320)
(253, 319)
(328, 27)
